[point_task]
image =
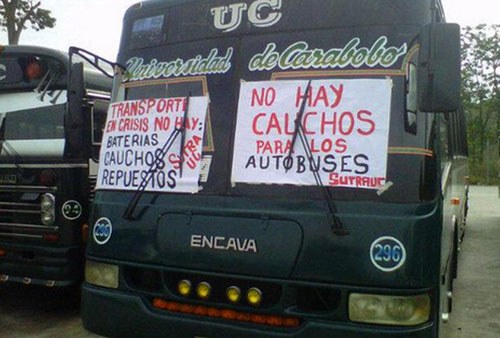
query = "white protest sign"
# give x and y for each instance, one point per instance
(134, 135)
(345, 122)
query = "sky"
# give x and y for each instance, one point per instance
(96, 25)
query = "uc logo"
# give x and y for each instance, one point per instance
(261, 13)
(102, 231)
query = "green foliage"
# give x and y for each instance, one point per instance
(484, 173)
(481, 99)
(16, 15)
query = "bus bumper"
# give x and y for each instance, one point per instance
(40, 265)
(119, 314)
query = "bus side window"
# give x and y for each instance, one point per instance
(459, 133)
(445, 138)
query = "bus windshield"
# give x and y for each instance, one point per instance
(33, 124)
(31, 127)
(407, 153)
(165, 63)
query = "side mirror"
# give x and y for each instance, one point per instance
(439, 76)
(73, 121)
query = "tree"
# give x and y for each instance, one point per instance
(16, 14)
(481, 95)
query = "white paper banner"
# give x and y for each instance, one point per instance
(135, 133)
(346, 124)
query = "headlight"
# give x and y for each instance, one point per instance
(389, 310)
(48, 218)
(47, 202)
(100, 274)
(47, 209)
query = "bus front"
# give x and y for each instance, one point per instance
(44, 183)
(266, 172)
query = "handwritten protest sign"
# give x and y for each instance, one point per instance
(345, 123)
(135, 133)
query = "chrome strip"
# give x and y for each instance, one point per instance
(45, 166)
(445, 176)
(14, 204)
(26, 188)
(21, 235)
(21, 211)
(30, 226)
(99, 94)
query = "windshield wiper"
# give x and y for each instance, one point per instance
(156, 165)
(39, 88)
(47, 87)
(183, 135)
(298, 121)
(13, 153)
(336, 225)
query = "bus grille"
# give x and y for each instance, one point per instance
(20, 212)
(92, 185)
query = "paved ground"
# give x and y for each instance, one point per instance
(43, 313)
(476, 301)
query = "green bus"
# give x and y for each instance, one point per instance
(279, 169)
(46, 175)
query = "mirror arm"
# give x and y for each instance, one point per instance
(94, 59)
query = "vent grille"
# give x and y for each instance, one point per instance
(92, 185)
(20, 212)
